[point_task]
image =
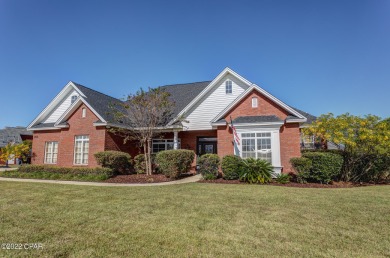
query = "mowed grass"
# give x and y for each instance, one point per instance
(192, 220)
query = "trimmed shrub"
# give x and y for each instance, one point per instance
(282, 178)
(119, 162)
(172, 163)
(139, 164)
(75, 171)
(302, 167)
(231, 165)
(208, 166)
(256, 171)
(325, 166)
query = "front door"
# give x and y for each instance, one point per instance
(206, 145)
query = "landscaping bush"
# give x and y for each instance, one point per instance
(372, 169)
(256, 171)
(52, 172)
(231, 165)
(172, 163)
(325, 166)
(119, 162)
(139, 164)
(208, 166)
(302, 167)
(282, 178)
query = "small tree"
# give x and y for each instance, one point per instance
(360, 139)
(20, 150)
(141, 117)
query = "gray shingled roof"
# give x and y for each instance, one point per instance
(256, 119)
(100, 102)
(12, 134)
(180, 94)
(183, 94)
(310, 118)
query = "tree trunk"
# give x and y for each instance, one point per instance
(146, 159)
(149, 155)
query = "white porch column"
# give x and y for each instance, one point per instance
(175, 140)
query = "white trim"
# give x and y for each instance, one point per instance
(218, 123)
(265, 93)
(51, 151)
(258, 124)
(255, 102)
(43, 128)
(225, 71)
(275, 143)
(296, 120)
(82, 150)
(51, 104)
(73, 107)
(69, 84)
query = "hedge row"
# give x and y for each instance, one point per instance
(318, 167)
(64, 170)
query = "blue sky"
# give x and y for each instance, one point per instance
(319, 56)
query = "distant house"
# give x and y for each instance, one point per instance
(76, 123)
(13, 135)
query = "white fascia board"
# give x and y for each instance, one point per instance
(100, 124)
(219, 123)
(257, 124)
(225, 71)
(59, 95)
(43, 129)
(168, 128)
(301, 120)
(265, 93)
(73, 107)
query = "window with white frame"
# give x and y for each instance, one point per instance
(163, 144)
(73, 99)
(83, 112)
(229, 87)
(81, 150)
(257, 145)
(51, 152)
(254, 102)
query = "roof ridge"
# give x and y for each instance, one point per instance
(182, 83)
(78, 84)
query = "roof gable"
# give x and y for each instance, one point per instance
(210, 86)
(266, 94)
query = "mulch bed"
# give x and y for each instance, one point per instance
(141, 179)
(292, 184)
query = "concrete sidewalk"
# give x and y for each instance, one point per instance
(7, 169)
(186, 180)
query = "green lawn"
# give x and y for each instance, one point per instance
(192, 220)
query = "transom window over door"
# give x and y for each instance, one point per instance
(257, 145)
(229, 87)
(81, 150)
(51, 152)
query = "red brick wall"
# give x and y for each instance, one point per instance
(289, 133)
(115, 142)
(65, 138)
(289, 145)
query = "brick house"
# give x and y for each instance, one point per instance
(76, 123)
